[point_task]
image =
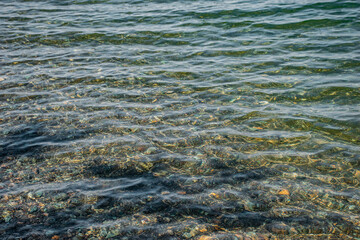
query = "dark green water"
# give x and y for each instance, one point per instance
(162, 119)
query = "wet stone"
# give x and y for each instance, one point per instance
(49, 233)
(7, 217)
(151, 150)
(351, 207)
(188, 235)
(39, 194)
(60, 197)
(30, 195)
(279, 228)
(113, 233)
(103, 233)
(33, 209)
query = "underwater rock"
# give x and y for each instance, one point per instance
(278, 228)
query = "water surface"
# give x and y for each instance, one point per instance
(194, 119)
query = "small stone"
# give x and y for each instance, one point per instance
(193, 232)
(250, 206)
(49, 233)
(292, 169)
(187, 235)
(150, 150)
(33, 209)
(31, 195)
(214, 195)
(263, 102)
(293, 231)
(170, 232)
(284, 192)
(58, 205)
(103, 232)
(203, 230)
(205, 238)
(7, 218)
(352, 207)
(38, 193)
(75, 201)
(60, 197)
(113, 233)
(279, 228)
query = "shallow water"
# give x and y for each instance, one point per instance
(188, 119)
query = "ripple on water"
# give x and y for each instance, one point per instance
(179, 119)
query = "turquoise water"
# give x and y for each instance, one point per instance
(185, 119)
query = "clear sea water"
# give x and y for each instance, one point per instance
(192, 119)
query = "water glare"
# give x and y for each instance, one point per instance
(192, 119)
